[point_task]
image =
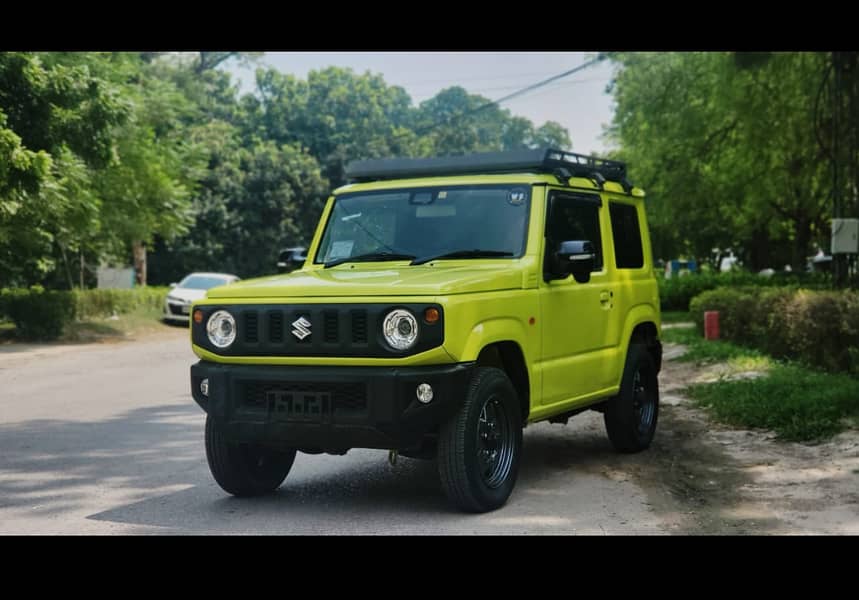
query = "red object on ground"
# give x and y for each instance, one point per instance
(711, 325)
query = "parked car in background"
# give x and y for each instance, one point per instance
(193, 287)
(291, 259)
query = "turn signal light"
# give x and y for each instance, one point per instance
(198, 316)
(431, 315)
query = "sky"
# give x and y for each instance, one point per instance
(577, 102)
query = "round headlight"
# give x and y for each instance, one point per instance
(221, 328)
(400, 329)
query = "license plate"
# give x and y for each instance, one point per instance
(308, 407)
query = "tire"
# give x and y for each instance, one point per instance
(631, 416)
(475, 479)
(245, 469)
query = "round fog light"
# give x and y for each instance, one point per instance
(424, 393)
(204, 387)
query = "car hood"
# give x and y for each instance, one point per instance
(186, 294)
(379, 280)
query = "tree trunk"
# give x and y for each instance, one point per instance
(801, 242)
(139, 251)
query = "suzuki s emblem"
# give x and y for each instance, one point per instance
(302, 328)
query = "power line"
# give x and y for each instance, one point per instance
(550, 86)
(516, 94)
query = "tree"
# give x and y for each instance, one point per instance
(725, 146)
(55, 130)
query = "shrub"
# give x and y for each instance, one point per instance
(38, 314)
(819, 328)
(677, 292)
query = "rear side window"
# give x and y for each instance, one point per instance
(627, 236)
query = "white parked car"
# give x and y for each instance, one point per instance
(177, 306)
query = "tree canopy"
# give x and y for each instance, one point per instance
(103, 155)
(725, 145)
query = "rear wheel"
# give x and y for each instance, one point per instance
(631, 416)
(480, 447)
(243, 469)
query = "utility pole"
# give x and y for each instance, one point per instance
(845, 150)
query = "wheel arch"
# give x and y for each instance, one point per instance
(507, 356)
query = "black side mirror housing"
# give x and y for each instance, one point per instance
(290, 261)
(576, 258)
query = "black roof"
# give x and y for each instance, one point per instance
(541, 160)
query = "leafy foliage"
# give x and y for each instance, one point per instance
(103, 152)
(726, 145)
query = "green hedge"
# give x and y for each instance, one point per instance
(40, 314)
(91, 304)
(37, 313)
(677, 292)
(819, 328)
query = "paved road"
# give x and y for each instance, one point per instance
(105, 438)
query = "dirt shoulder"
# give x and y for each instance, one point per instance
(708, 478)
(12, 353)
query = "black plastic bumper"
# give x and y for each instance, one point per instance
(329, 408)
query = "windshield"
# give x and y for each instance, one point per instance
(201, 282)
(427, 222)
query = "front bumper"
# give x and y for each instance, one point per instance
(176, 311)
(329, 408)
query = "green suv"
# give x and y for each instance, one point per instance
(445, 304)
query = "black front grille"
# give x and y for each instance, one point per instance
(333, 330)
(346, 398)
(175, 310)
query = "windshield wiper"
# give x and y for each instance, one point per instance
(463, 254)
(371, 256)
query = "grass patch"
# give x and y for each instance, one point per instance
(676, 316)
(702, 351)
(797, 403)
(142, 320)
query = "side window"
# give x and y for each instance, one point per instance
(627, 236)
(574, 218)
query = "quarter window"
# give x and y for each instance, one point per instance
(627, 236)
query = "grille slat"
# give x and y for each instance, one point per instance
(275, 327)
(359, 326)
(331, 322)
(251, 327)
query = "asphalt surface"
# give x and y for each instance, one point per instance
(105, 439)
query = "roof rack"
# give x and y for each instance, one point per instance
(541, 160)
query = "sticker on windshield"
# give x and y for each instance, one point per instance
(340, 250)
(516, 196)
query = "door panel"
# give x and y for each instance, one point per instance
(576, 317)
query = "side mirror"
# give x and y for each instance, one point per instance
(577, 258)
(290, 263)
(172, 285)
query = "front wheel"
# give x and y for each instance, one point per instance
(243, 469)
(480, 447)
(630, 417)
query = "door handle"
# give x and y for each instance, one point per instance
(605, 297)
